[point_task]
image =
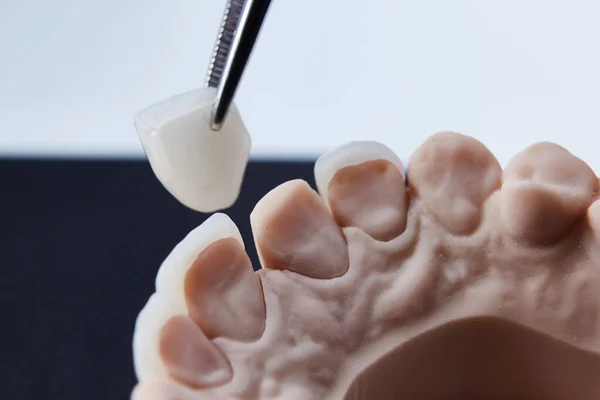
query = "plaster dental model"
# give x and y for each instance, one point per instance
(466, 283)
(200, 167)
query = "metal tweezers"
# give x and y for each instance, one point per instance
(239, 32)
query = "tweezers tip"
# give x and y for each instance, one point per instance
(215, 125)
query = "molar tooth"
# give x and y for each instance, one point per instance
(201, 168)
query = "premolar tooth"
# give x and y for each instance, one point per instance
(201, 168)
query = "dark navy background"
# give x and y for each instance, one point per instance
(80, 244)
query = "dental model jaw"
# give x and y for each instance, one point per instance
(201, 168)
(468, 283)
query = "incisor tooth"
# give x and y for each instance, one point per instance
(201, 168)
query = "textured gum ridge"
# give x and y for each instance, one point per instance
(399, 290)
(321, 333)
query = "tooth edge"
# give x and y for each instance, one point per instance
(352, 153)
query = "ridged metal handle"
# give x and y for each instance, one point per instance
(239, 31)
(231, 19)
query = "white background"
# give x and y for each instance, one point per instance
(509, 72)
